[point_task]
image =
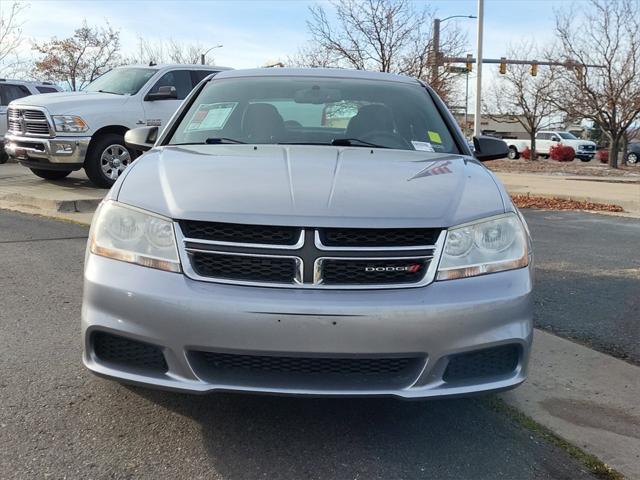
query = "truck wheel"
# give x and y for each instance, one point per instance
(50, 174)
(107, 158)
(513, 153)
(632, 158)
(3, 156)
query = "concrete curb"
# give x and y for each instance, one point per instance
(590, 399)
(50, 205)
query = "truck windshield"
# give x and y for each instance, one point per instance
(567, 136)
(315, 111)
(121, 81)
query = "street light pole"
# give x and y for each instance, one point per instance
(436, 57)
(203, 55)
(477, 129)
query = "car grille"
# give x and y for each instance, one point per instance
(377, 237)
(27, 122)
(122, 351)
(244, 267)
(337, 271)
(236, 233)
(306, 371)
(490, 362)
(308, 257)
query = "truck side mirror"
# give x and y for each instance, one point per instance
(555, 139)
(141, 138)
(163, 93)
(489, 148)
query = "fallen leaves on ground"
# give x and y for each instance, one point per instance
(556, 203)
(551, 167)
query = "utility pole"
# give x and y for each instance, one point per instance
(477, 129)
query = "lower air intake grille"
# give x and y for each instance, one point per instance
(129, 353)
(301, 372)
(372, 272)
(242, 267)
(491, 362)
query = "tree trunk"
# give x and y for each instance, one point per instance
(614, 150)
(533, 156)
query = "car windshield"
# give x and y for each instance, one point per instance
(315, 111)
(567, 136)
(121, 81)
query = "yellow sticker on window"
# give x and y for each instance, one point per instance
(434, 137)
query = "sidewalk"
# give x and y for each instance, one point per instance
(621, 191)
(588, 398)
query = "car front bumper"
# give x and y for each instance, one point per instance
(180, 316)
(48, 153)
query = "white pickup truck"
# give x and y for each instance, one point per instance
(585, 149)
(11, 90)
(57, 133)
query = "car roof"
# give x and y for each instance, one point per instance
(316, 72)
(190, 66)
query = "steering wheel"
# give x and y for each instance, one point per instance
(387, 139)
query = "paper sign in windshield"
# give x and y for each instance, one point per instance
(422, 146)
(211, 116)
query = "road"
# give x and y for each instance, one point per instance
(59, 421)
(588, 279)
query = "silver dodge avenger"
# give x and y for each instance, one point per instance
(310, 232)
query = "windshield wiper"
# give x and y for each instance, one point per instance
(106, 91)
(219, 140)
(354, 142)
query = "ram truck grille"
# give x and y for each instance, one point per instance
(30, 122)
(308, 257)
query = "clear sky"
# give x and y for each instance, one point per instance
(256, 31)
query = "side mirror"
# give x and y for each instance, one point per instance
(163, 93)
(555, 139)
(489, 148)
(141, 138)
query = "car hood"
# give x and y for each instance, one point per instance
(311, 186)
(72, 102)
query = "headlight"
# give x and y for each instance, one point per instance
(486, 246)
(69, 123)
(135, 236)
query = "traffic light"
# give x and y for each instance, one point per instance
(469, 62)
(503, 65)
(534, 69)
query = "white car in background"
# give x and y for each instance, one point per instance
(58, 133)
(585, 149)
(12, 90)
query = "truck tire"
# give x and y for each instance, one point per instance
(107, 158)
(3, 155)
(513, 153)
(50, 174)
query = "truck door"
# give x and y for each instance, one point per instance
(158, 112)
(543, 143)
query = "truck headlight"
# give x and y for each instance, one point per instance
(484, 246)
(133, 235)
(69, 124)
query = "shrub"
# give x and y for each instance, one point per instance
(562, 153)
(602, 156)
(526, 153)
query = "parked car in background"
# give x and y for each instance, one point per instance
(585, 149)
(310, 231)
(12, 90)
(633, 153)
(56, 134)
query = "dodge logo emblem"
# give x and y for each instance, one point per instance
(413, 268)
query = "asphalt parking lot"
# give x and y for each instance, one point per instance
(59, 421)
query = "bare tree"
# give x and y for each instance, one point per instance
(10, 36)
(80, 58)
(383, 35)
(607, 35)
(523, 98)
(170, 51)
